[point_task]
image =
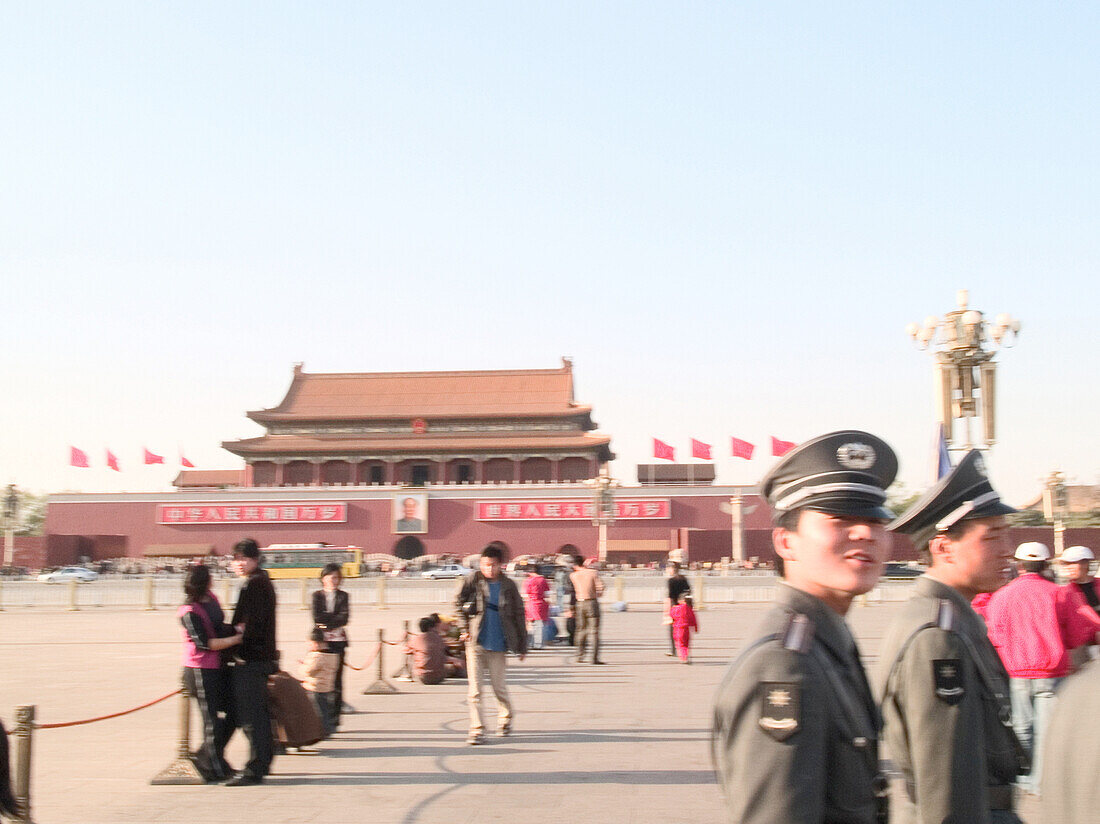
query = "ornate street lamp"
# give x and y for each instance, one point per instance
(964, 344)
(603, 506)
(1055, 507)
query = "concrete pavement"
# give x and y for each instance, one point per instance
(625, 742)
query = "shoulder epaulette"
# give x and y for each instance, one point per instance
(945, 615)
(799, 635)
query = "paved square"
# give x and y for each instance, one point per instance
(624, 742)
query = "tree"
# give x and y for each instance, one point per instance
(31, 517)
(899, 498)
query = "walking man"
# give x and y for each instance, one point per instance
(256, 659)
(588, 588)
(795, 726)
(945, 704)
(1034, 623)
(490, 615)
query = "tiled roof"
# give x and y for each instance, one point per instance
(430, 395)
(415, 444)
(190, 478)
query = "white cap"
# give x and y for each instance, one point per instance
(1032, 551)
(1074, 554)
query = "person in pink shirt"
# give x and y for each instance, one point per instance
(1034, 623)
(683, 622)
(536, 607)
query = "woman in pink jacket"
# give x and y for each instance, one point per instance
(536, 608)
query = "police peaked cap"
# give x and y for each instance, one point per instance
(842, 473)
(963, 494)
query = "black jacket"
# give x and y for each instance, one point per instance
(340, 611)
(256, 610)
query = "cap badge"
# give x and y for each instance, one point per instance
(856, 456)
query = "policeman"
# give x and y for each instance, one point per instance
(945, 702)
(795, 725)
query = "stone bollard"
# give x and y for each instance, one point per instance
(150, 596)
(618, 589)
(1, 596)
(182, 770)
(697, 595)
(380, 597)
(405, 672)
(305, 593)
(381, 686)
(227, 592)
(74, 604)
(23, 734)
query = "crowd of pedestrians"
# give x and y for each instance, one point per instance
(971, 705)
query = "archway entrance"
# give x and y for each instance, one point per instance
(408, 547)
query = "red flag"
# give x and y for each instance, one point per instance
(741, 449)
(112, 461)
(78, 457)
(780, 448)
(150, 458)
(663, 451)
(185, 462)
(700, 449)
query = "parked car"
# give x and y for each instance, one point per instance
(447, 571)
(895, 570)
(78, 574)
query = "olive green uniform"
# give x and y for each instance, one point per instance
(795, 725)
(1071, 787)
(945, 704)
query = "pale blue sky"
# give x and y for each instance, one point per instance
(725, 212)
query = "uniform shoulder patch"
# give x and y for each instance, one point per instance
(780, 708)
(947, 680)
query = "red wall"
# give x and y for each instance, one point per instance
(114, 526)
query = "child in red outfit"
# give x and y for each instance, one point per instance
(683, 622)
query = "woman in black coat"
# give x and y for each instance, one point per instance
(330, 613)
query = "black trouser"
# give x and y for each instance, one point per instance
(340, 648)
(671, 639)
(249, 681)
(215, 699)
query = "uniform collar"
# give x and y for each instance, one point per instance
(829, 626)
(932, 588)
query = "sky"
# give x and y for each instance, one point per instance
(725, 213)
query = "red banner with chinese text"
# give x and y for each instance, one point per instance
(284, 512)
(578, 509)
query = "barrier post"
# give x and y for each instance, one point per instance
(23, 733)
(381, 596)
(1, 596)
(697, 595)
(150, 600)
(227, 592)
(405, 672)
(73, 603)
(618, 588)
(182, 770)
(305, 593)
(381, 686)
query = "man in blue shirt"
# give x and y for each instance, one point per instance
(490, 615)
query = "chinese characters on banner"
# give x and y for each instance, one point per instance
(252, 513)
(577, 509)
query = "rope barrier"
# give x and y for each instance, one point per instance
(369, 661)
(105, 717)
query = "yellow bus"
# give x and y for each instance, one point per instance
(307, 560)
